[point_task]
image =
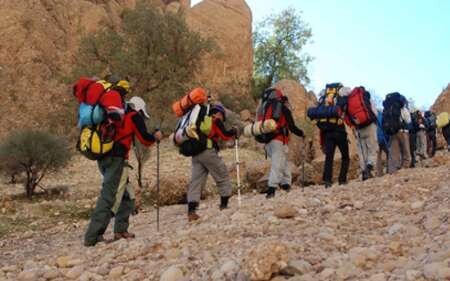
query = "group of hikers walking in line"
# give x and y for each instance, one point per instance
(110, 123)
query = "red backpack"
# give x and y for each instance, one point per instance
(271, 108)
(359, 108)
(88, 91)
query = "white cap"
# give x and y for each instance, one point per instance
(345, 91)
(138, 104)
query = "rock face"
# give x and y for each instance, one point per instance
(300, 101)
(229, 23)
(46, 36)
(442, 103)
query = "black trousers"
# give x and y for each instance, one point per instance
(446, 133)
(333, 139)
(432, 142)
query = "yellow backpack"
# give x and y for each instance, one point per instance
(442, 120)
(93, 143)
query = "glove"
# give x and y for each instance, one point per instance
(236, 131)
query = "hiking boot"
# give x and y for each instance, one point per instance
(286, 187)
(327, 184)
(270, 192)
(224, 202)
(365, 176)
(192, 216)
(124, 235)
(100, 239)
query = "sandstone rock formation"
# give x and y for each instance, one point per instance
(442, 104)
(43, 37)
(229, 23)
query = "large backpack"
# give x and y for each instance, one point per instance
(89, 93)
(392, 122)
(192, 130)
(442, 120)
(359, 108)
(332, 110)
(271, 107)
(95, 142)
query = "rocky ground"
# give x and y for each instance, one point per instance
(390, 228)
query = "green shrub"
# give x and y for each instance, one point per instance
(34, 154)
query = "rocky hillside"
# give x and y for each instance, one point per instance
(390, 228)
(442, 103)
(43, 36)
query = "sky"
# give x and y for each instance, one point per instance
(384, 45)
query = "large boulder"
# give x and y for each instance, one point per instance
(300, 101)
(229, 23)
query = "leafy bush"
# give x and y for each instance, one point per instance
(34, 154)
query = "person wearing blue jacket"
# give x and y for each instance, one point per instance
(383, 145)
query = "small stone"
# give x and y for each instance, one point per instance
(395, 228)
(173, 273)
(417, 205)
(437, 271)
(412, 275)
(358, 205)
(116, 272)
(134, 275)
(242, 276)
(230, 268)
(75, 272)
(378, 277)
(28, 275)
(285, 212)
(395, 248)
(63, 261)
(51, 274)
(327, 274)
(297, 267)
(10, 268)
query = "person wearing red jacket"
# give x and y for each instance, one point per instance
(115, 197)
(208, 162)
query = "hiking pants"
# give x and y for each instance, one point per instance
(399, 152)
(432, 142)
(280, 172)
(421, 143)
(111, 169)
(446, 133)
(367, 146)
(207, 162)
(382, 148)
(413, 148)
(333, 139)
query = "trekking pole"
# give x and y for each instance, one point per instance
(238, 175)
(157, 186)
(303, 165)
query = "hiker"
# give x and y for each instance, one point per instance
(332, 132)
(275, 106)
(383, 146)
(114, 169)
(443, 122)
(412, 131)
(446, 134)
(430, 121)
(396, 124)
(361, 115)
(209, 162)
(421, 135)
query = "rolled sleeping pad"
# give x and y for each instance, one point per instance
(260, 127)
(89, 115)
(186, 126)
(323, 112)
(196, 96)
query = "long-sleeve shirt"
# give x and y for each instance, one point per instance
(291, 123)
(133, 125)
(218, 131)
